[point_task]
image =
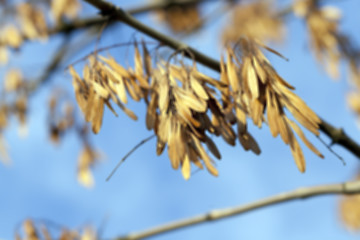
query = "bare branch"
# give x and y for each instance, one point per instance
(346, 188)
(338, 136)
(108, 9)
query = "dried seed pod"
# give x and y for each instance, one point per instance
(256, 89)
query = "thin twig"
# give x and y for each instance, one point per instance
(104, 49)
(346, 188)
(338, 136)
(102, 29)
(331, 150)
(109, 9)
(128, 154)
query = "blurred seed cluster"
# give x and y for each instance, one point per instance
(257, 20)
(13, 102)
(330, 45)
(42, 230)
(180, 17)
(29, 21)
(62, 119)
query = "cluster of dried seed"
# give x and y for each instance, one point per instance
(171, 110)
(255, 20)
(257, 88)
(31, 230)
(178, 99)
(104, 80)
(178, 113)
(184, 107)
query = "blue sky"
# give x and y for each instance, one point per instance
(145, 191)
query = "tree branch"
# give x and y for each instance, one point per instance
(338, 136)
(346, 188)
(108, 9)
(93, 21)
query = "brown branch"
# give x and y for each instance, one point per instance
(108, 9)
(337, 135)
(94, 21)
(301, 193)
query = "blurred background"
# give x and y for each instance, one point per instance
(41, 182)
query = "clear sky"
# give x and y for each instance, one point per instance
(145, 191)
